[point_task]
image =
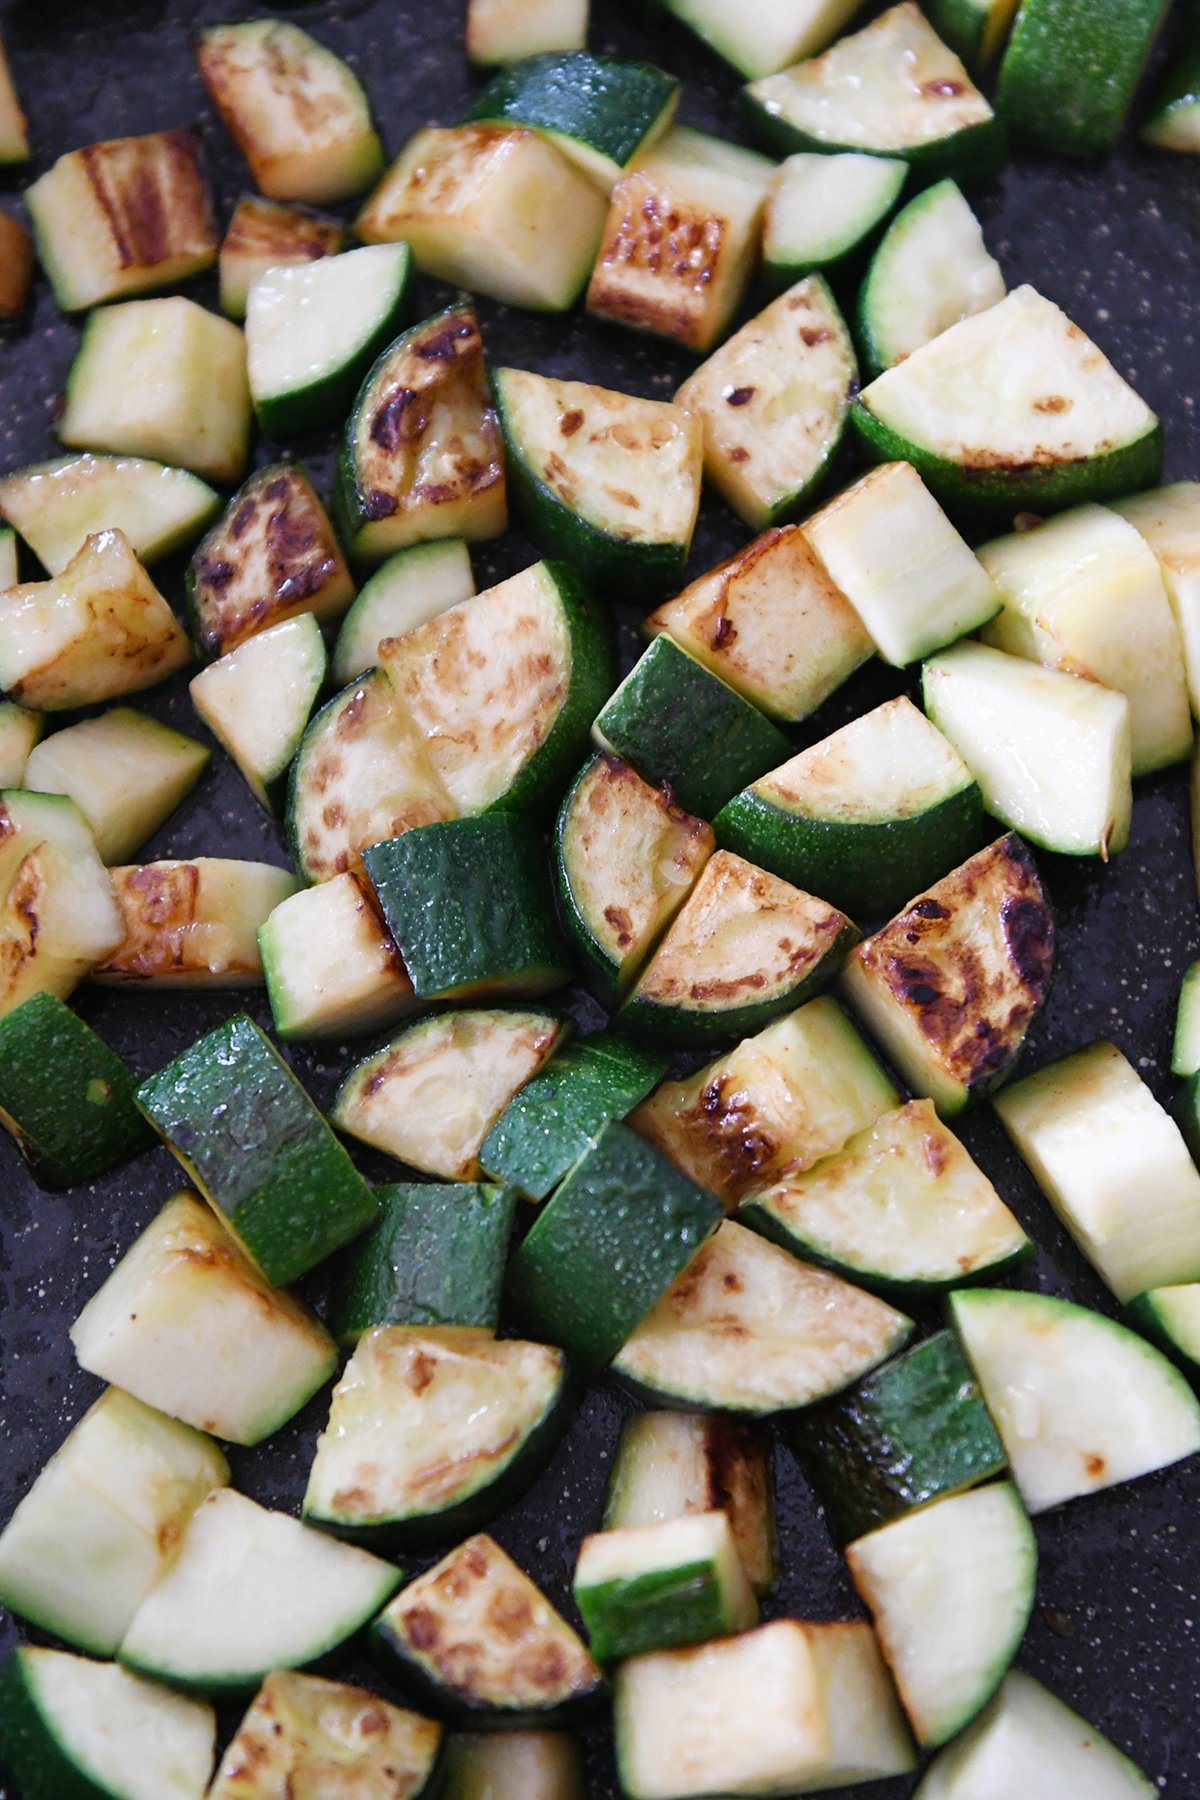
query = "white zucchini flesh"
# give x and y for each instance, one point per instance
(125, 771)
(57, 505)
(1169, 520)
(20, 730)
(931, 270)
(950, 1588)
(514, 1765)
(502, 31)
(8, 552)
(819, 207)
(256, 699)
(410, 588)
(59, 914)
(1080, 1402)
(1185, 1053)
(306, 322)
(775, 34)
(331, 966)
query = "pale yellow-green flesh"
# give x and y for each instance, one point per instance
(890, 763)
(193, 923)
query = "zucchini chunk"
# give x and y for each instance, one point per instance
(435, 1258)
(951, 985)
(59, 916)
(430, 1097)
(504, 31)
(1171, 1317)
(1085, 593)
(314, 329)
(976, 29)
(622, 1226)
(308, 1735)
(1080, 1402)
(479, 1641)
(865, 816)
(892, 89)
(421, 457)
(1185, 1050)
(670, 1465)
(492, 208)
(626, 856)
(264, 234)
(433, 1430)
(470, 907)
(823, 210)
(744, 948)
(746, 1328)
(95, 1732)
(950, 1589)
(770, 622)
(205, 1626)
(1026, 1741)
(296, 112)
(602, 113)
(123, 217)
(1169, 520)
(65, 1096)
(125, 771)
(684, 282)
(408, 590)
(774, 1105)
(652, 1587)
(20, 730)
(161, 379)
(100, 1524)
(514, 1765)
(193, 924)
(183, 1291)
(16, 268)
(98, 630)
(250, 1138)
(8, 554)
(256, 701)
(1114, 1166)
(1069, 73)
(914, 1430)
(1053, 754)
(772, 401)
(1012, 409)
(56, 506)
(1173, 119)
(775, 34)
(608, 481)
(14, 138)
(931, 270)
(902, 1208)
(331, 966)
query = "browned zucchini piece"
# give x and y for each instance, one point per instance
(16, 268)
(193, 924)
(265, 234)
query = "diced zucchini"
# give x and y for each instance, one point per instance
(902, 1208)
(330, 964)
(193, 924)
(96, 631)
(314, 329)
(59, 915)
(483, 1644)
(102, 1521)
(775, 34)
(503, 31)
(1053, 754)
(123, 217)
(608, 481)
(681, 238)
(436, 1257)
(20, 730)
(931, 270)
(125, 771)
(1080, 1402)
(1070, 71)
(250, 1591)
(92, 1731)
(65, 1096)
(514, 1765)
(1012, 409)
(770, 622)
(163, 379)
(430, 1097)
(776, 1104)
(408, 590)
(746, 1328)
(951, 985)
(1169, 520)
(950, 1588)
(308, 1735)
(1171, 1316)
(913, 581)
(295, 110)
(1084, 593)
(14, 138)
(421, 456)
(492, 208)
(433, 1430)
(1185, 1052)
(181, 1297)
(250, 1138)
(652, 1587)
(57, 505)
(256, 701)
(262, 235)
(976, 29)
(823, 210)
(16, 266)
(772, 401)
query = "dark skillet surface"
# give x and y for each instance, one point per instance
(1112, 1631)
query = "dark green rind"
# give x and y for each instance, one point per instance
(560, 1113)
(29, 1749)
(974, 155)
(912, 1431)
(605, 103)
(869, 871)
(470, 905)
(599, 973)
(964, 28)
(1142, 1315)
(604, 1250)
(391, 1657)
(842, 271)
(658, 1610)
(65, 1096)
(681, 727)
(233, 1113)
(1070, 70)
(436, 1257)
(1186, 1109)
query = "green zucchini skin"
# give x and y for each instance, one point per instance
(30, 1752)
(657, 1611)
(972, 156)
(607, 105)
(1070, 69)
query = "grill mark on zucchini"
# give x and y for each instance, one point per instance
(150, 210)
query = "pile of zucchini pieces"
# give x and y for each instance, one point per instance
(485, 811)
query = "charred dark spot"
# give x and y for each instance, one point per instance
(929, 908)
(378, 505)
(394, 423)
(812, 335)
(739, 396)
(1052, 403)
(739, 455)
(1094, 1464)
(725, 632)
(1029, 935)
(214, 572)
(443, 345)
(422, 1628)
(570, 422)
(243, 519)
(622, 925)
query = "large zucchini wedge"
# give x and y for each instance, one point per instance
(306, 1735)
(193, 924)
(57, 505)
(1068, 76)
(408, 590)
(59, 916)
(265, 234)
(823, 211)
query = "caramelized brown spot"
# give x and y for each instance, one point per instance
(570, 422)
(1052, 403)
(422, 1627)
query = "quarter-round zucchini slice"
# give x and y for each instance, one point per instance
(408, 590)
(256, 701)
(57, 505)
(1171, 1316)
(125, 771)
(193, 924)
(823, 210)
(331, 966)
(931, 270)
(773, 36)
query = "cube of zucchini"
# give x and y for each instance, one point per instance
(652, 1587)
(331, 965)
(515, 1765)
(302, 1732)
(16, 268)
(822, 212)
(14, 138)
(931, 270)
(57, 505)
(600, 111)
(262, 235)
(193, 924)
(59, 916)
(1169, 520)
(256, 700)
(503, 31)
(125, 771)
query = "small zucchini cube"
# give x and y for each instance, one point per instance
(515, 1765)
(14, 138)
(408, 590)
(193, 924)
(264, 234)
(772, 37)
(331, 965)
(57, 505)
(652, 1587)
(16, 268)
(123, 217)
(256, 701)
(931, 270)
(504, 31)
(125, 771)
(302, 1732)
(59, 916)
(1074, 99)
(822, 212)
